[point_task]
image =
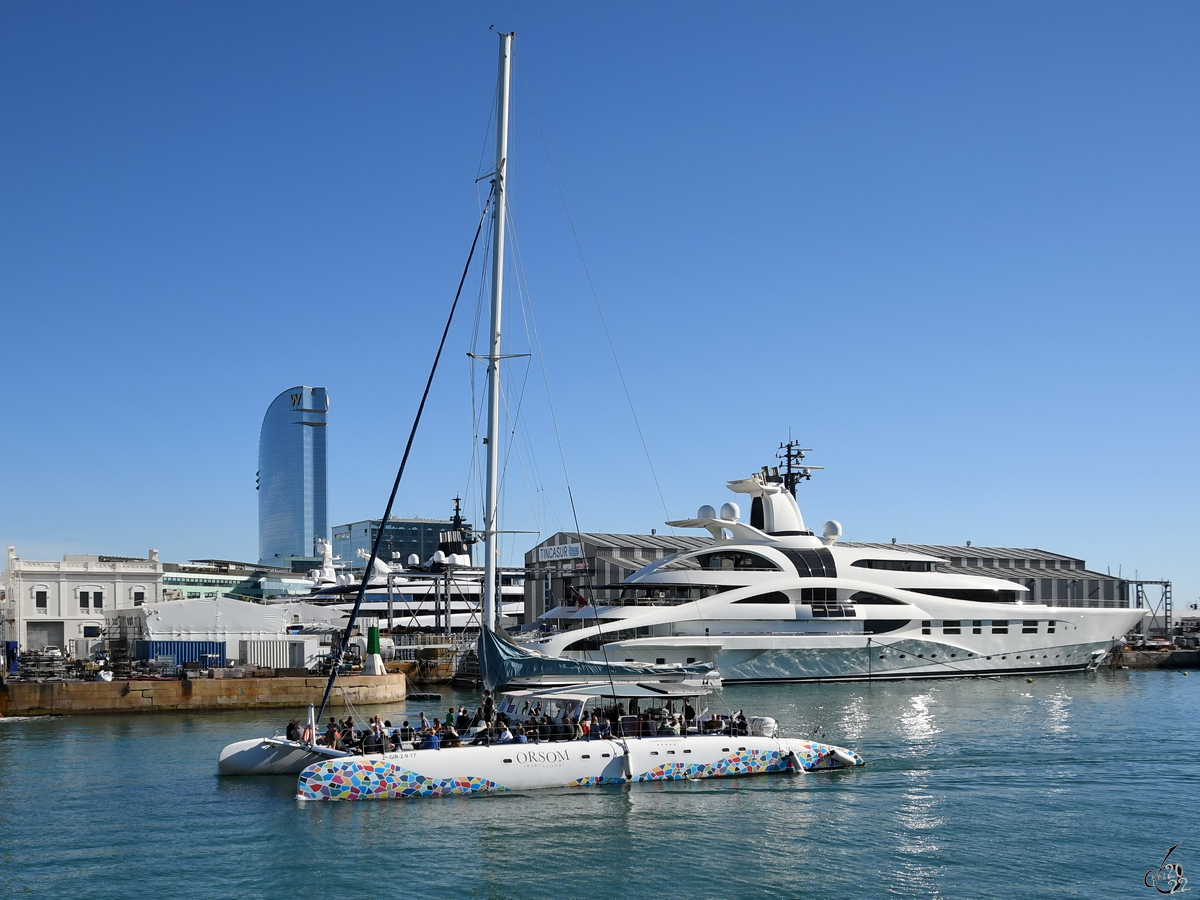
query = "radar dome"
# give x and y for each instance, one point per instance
(413, 559)
(730, 512)
(706, 512)
(832, 531)
(439, 557)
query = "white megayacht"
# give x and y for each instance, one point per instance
(770, 601)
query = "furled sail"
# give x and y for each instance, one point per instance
(502, 662)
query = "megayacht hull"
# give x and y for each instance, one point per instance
(512, 767)
(1077, 643)
(905, 659)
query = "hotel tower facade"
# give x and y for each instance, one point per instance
(292, 496)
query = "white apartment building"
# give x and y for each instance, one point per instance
(62, 604)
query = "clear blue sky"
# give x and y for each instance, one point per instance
(953, 247)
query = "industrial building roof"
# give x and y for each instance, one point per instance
(1003, 562)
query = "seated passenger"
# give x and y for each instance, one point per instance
(505, 737)
(520, 737)
(431, 742)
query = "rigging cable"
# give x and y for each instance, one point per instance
(362, 588)
(595, 294)
(527, 306)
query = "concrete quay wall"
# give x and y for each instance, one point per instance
(24, 698)
(1154, 659)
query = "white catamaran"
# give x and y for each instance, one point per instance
(645, 726)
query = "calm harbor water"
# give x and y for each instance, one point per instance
(1070, 786)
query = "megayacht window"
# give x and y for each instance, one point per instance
(772, 597)
(736, 561)
(896, 565)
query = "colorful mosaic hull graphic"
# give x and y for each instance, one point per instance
(366, 779)
(362, 778)
(593, 780)
(745, 762)
(814, 756)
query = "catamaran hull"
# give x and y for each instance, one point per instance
(515, 767)
(271, 756)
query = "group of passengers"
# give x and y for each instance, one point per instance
(377, 736)
(532, 725)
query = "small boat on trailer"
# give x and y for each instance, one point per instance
(711, 748)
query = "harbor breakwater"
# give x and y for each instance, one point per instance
(28, 698)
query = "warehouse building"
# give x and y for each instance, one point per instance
(279, 635)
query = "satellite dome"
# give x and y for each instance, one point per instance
(706, 512)
(832, 531)
(730, 512)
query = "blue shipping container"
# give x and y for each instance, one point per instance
(208, 652)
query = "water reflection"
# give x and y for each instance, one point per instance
(1058, 710)
(920, 817)
(917, 723)
(855, 718)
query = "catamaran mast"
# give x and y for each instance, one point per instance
(499, 206)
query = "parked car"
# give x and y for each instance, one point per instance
(52, 651)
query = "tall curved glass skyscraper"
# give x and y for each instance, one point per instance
(291, 475)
